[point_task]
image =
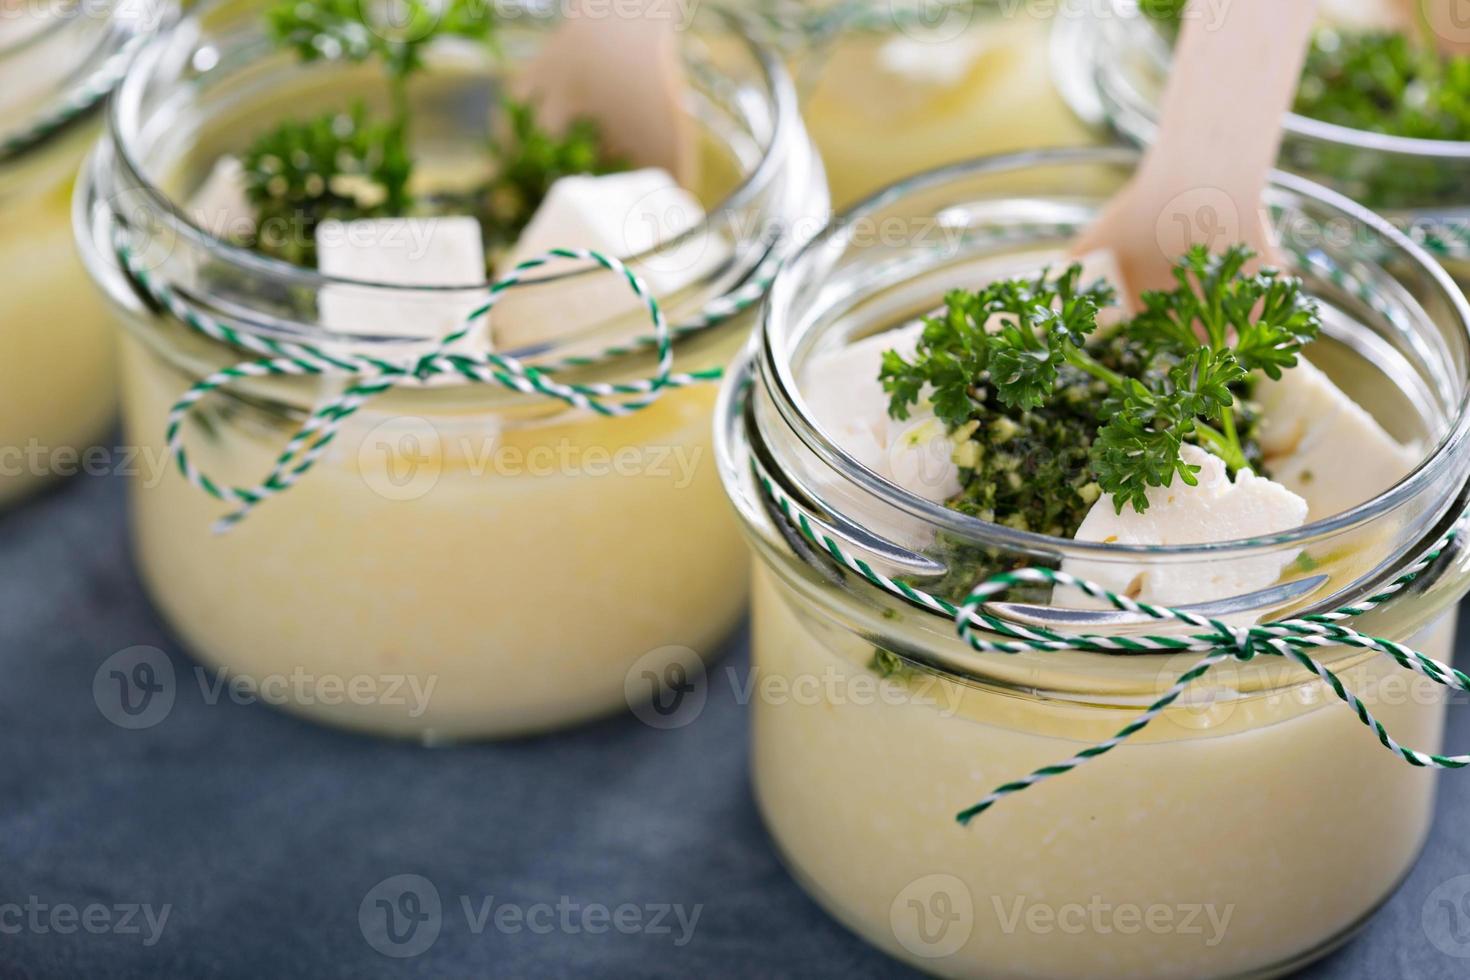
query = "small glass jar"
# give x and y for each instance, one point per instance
(1255, 823)
(1115, 67)
(57, 394)
(895, 87)
(505, 555)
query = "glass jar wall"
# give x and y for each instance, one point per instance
(509, 555)
(57, 393)
(1114, 64)
(1256, 804)
(893, 88)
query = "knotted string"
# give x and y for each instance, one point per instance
(376, 375)
(1217, 640)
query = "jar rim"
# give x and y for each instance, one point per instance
(778, 377)
(1294, 123)
(124, 118)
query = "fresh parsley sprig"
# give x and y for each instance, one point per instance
(397, 31)
(339, 165)
(530, 159)
(1006, 333)
(1013, 339)
(345, 165)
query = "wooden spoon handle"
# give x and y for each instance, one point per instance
(623, 72)
(1445, 22)
(1202, 181)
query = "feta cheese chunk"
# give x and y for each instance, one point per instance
(1324, 446)
(1214, 510)
(620, 215)
(402, 252)
(848, 402)
(220, 206)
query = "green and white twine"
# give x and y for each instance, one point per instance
(375, 375)
(1218, 641)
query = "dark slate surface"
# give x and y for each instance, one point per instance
(266, 836)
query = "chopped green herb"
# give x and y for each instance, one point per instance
(1386, 83)
(345, 165)
(1305, 563)
(1046, 417)
(339, 165)
(530, 159)
(887, 664)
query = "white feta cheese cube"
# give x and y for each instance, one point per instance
(620, 215)
(220, 206)
(847, 401)
(1321, 444)
(443, 251)
(1216, 509)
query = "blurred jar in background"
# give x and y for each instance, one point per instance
(57, 63)
(894, 87)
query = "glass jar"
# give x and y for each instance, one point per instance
(57, 394)
(1255, 822)
(1116, 63)
(510, 557)
(894, 87)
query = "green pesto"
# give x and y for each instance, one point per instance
(1046, 416)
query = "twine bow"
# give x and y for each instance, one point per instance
(377, 375)
(1218, 641)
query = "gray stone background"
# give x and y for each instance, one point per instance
(266, 836)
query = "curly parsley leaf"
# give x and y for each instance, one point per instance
(338, 165)
(1139, 446)
(1279, 322)
(531, 159)
(1028, 342)
(1013, 333)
